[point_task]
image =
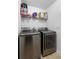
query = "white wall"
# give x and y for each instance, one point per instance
(19, 17)
(25, 22)
(54, 21)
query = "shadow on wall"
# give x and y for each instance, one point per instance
(51, 3)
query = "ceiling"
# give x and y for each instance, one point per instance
(40, 3)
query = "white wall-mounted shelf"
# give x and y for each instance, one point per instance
(31, 17)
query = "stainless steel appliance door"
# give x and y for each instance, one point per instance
(26, 47)
(49, 43)
(29, 47)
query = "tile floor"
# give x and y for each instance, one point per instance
(52, 56)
